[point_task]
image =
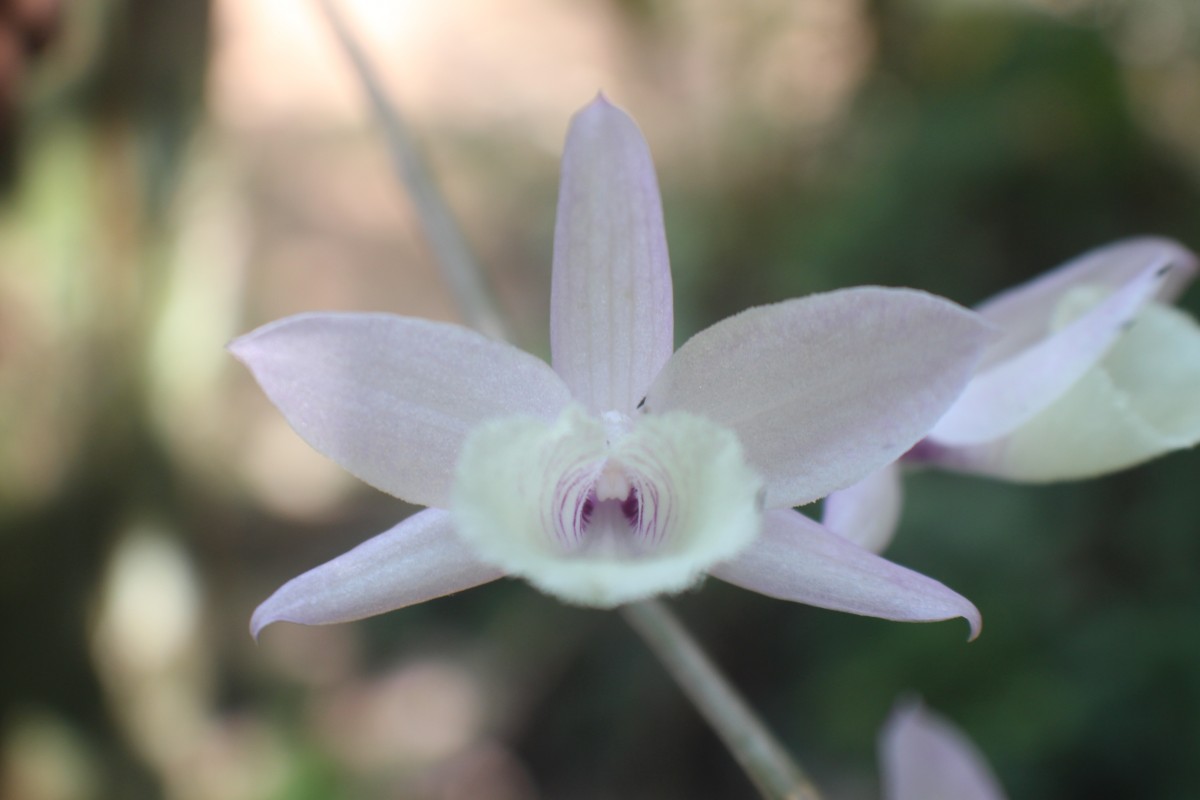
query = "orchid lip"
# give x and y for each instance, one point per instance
(612, 527)
(608, 515)
(606, 510)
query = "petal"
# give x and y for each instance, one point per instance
(825, 389)
(1021, 312)
(611, 327)
(391, 398)
(418, 560)
(1138, 403)
(1006, 396)
(798, 559)
(523, 486)
(924, 757)
(1156, 367)
(867, 512)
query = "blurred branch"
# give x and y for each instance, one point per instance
(773, 771)
(457, 264)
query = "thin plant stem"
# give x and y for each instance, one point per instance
(458, 266)
(773, 771)
(769, 766)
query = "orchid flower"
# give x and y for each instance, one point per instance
(1093, 372)
(924, 757)
(623, 470)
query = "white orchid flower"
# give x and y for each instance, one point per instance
(623, 470)
(1093, 372)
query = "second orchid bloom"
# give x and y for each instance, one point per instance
(621, 470)
(1093, 372)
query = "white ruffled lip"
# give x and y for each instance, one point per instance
(600, 521)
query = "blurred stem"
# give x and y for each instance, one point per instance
(457, 264)
(773, 771)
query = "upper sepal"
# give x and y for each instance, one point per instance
(611, 311)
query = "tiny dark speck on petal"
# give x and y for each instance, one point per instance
(641, 403)
(1163, 270)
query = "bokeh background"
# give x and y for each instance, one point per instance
(176, 172)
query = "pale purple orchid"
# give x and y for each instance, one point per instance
(924, 757)
(625, 470)
(1093, 372)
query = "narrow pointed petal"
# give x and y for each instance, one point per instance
(824, 389)
(392, 398)
(796, 558)
(611, 323)
(1022, 311)
(924, 757)
(1008, 395)
(868, 512)
(417, 560)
